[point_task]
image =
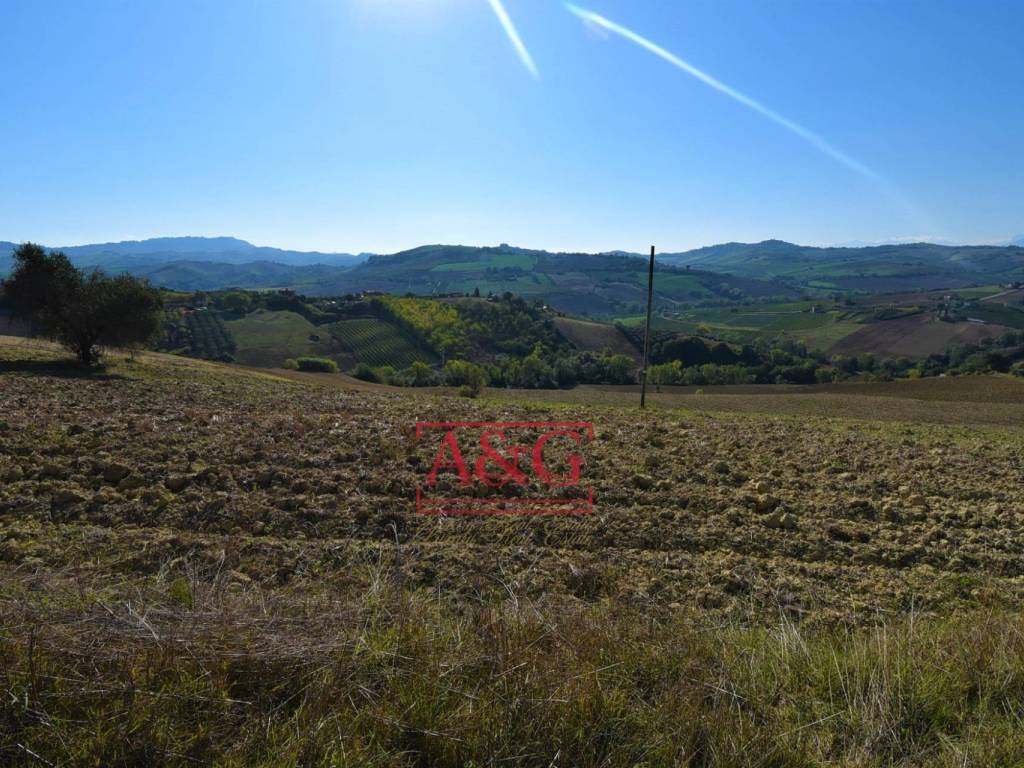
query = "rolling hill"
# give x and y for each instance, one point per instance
(600, 285)
(267, 339)
(609, 284)
(882, 268)
(579, 283)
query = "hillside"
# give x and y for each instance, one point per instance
(236, 555)
(911, 324)
(837, 300)
(588, 284)
(599, 285)
(267, 339)
(915, 336)
(412, 341)
(596, 337)
(596, 284)
(584, 284)
(266, 329)
(883, 268)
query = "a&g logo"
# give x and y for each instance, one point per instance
(504, 467)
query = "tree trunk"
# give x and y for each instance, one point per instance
(85, 350)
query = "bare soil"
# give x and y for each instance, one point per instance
(821, 514)
(916, 336)
(596, 337)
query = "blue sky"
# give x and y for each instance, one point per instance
(353, 125)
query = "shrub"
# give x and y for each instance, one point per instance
(470, 377)
(419, 374)
(237, 302)
(317, 364)
(364, 372)
(386, 374)
(825, 375)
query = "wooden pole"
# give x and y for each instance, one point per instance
(647, 331)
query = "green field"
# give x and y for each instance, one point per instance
(499, 260)
(978, 293)
(824, 336)
(818, 330)
(375, 342)
(660, 323)
(758, 319)
(675, 284)
(879, 268)
(529, 284)
(999, 314)
(266, 339)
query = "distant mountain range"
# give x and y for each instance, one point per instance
(203, 263)
(594, 283)
(130, 254)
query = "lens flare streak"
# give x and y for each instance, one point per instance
(513, 36)
(809, 136)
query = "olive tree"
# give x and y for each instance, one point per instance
(82, 312)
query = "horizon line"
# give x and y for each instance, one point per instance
(1003, 242)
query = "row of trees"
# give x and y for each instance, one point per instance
(84, 312)
(539, 370)
(691, 360)
(1003, 354)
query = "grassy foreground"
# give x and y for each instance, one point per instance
(201, 565)
(209, 671)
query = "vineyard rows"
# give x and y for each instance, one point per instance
(375, 342)
(211, 339)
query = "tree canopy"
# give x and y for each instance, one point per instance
(81, 311)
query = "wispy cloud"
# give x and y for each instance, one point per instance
(513, 36)
(809, 136)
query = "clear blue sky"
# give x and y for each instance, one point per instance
(376, 125)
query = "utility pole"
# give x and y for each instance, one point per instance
(647, 330)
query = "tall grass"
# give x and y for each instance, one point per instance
(185, 670)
